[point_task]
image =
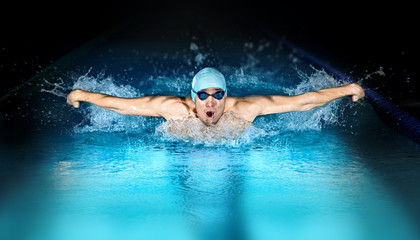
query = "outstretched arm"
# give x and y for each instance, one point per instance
(262, 105)
(169, 107)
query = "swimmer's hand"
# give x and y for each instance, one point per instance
(73, 98)
(357, 92)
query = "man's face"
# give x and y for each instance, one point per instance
(210, 110)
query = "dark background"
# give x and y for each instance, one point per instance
(359, 38)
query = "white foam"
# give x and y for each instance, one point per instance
(98, 119)
(317, 118)
(230, 130)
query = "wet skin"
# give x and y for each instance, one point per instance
(210, 110)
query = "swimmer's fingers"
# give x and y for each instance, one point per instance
(358, 92)
(354, 98)
(75, 104)
(72, 99)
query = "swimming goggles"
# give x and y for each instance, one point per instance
(203, 95)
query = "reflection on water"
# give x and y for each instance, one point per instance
(211, 187)
(117, 185)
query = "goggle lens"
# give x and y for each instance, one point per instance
(203, 95)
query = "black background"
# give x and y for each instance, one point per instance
(358, 37)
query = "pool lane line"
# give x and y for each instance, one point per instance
(392, 115)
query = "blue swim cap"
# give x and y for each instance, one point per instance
(206, 78)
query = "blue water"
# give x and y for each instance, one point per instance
(335, 172)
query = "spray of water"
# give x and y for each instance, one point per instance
(249, 79)
(59, 88)
(318, 118)
(230, 130)
(379, 72)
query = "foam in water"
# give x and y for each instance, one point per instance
(104, 120)
(230, 130)
(96, 118)
(317, 118)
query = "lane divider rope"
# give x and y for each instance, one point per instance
(392, 115)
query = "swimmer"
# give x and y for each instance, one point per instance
(209, 101)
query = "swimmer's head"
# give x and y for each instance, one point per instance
(209, 94)
(206, 78)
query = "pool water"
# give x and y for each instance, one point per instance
(335, 172)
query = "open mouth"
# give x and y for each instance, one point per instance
(210, 114)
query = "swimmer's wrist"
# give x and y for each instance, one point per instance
(357, 92)
(79, 95)
(353, 89)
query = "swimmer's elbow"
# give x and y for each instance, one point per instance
(305, 102)
(305, 107)
(131, 109)
(122, 112)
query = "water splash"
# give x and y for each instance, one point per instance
(252, 77)
(199, 57)
(316, 80)
(315, 119)
(243, 82)
(98, 119)
(230, 130)
(106, 84)
(59, 88)
(379, 72)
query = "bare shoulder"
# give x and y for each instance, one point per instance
(244, 107)
(172, 107)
